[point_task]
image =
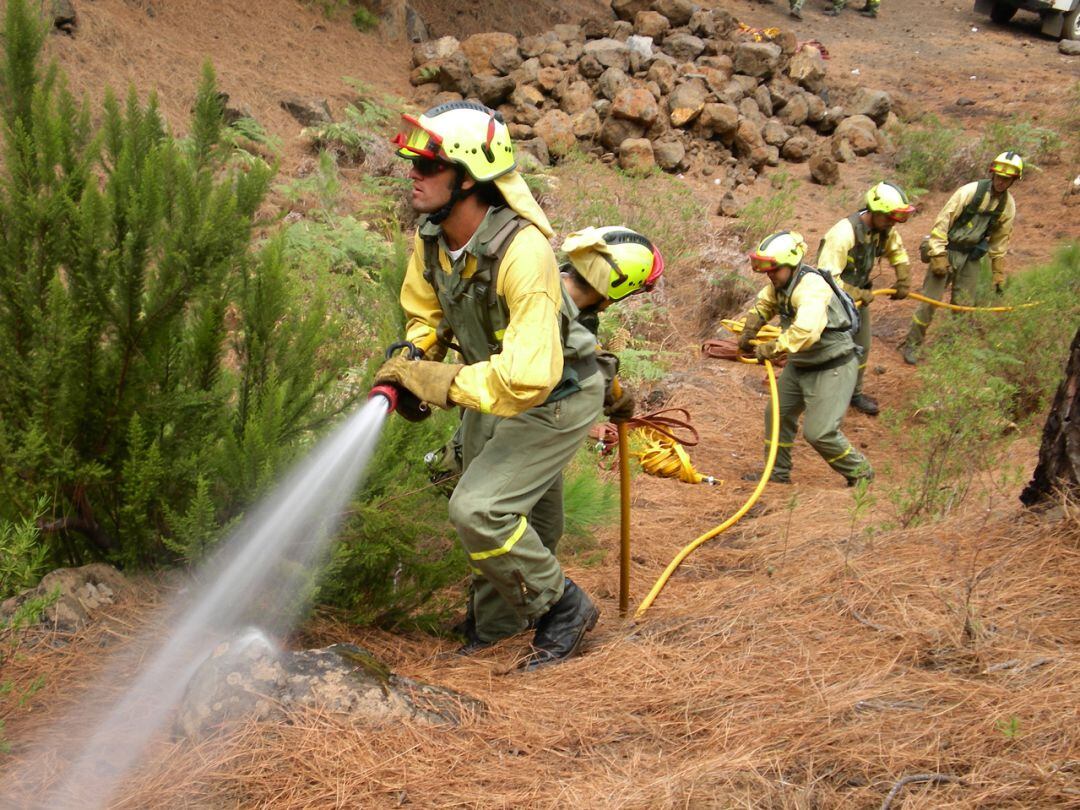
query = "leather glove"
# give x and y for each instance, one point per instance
(751, 327)
(620, 408)
(997, 272)
(903, 282)
(428, 379)
(999, 289)
(767, 351)
(939, 265)
(864, 296)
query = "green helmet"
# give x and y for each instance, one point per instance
(783, 248)
(1008, 164)
(890, 200)
(465, 133)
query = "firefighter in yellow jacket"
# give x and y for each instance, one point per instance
(816, 319)
(483, 280)
(977, 221)
(850, 250)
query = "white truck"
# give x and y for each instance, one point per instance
(1060, 18)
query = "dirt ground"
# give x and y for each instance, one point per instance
(795, 662)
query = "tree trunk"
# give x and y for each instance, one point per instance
(1059, 456)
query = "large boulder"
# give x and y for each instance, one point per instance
(663, 72)
(557, 130)
(678, 12)
(247, 678)
(507, 61)
(687, 101)
(719, 119)
(635, 104)
(568, 33)
(616, 130)
(493, 90)
(669, 153)
(796, 111)
(586, 125)
(577, 96)
(432, 49)
(749, 144)
(795, 149)
(874, 104)
(535, 148)
(629, 9)
(525, 95)
(453, 73)
(636, 155)
(683, 47)
(609, 52)
(651, 24)
(480, 48)
(548, 78)
(774, 133)
(758, 59)
(73, 595)
(641, 53)
(807, 68)
(823, 167)
(611, 82)
(860, 132)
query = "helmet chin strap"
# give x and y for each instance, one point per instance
(456, 193)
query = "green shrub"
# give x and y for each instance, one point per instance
(364, 20)
(154, 363)
(933, 155)
(983, 376)
(23, 557)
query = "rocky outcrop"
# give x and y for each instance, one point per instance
(688, 80)
(247, 678)
(73, 596)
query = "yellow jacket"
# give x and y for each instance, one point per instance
(531, 361)
(811, 304)
(838, 243)
(998, 235)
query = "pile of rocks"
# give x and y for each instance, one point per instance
(659, 83)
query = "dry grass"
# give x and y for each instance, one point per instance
(773, 673)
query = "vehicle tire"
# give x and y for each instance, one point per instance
(1002, 12)
(1070, 26)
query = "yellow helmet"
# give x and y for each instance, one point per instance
(465, 133)
(1008, 164)
(615, 261)
(779, 249)
(890, 200)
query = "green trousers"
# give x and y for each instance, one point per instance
(963, 277)
(862, 340)
(871, 5)
(824, 396)
(507, 506)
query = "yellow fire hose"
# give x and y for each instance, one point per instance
(774, 439)
(624, 509)
(956, 307)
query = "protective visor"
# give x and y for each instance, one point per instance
(901, 214)
(1004, 169)
(416, 141)
(762, 264)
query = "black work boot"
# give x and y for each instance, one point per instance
(907, 351)
(865, 404)
(466, 628)
(559, 631)
(866, 475)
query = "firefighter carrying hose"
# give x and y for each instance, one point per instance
(483, 280)
(816, 321)
(850, 250)
(603, 265)
(977, 221)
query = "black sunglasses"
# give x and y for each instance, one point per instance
(429, 167)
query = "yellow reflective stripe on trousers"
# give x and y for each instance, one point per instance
(505, 547)
(834, 460)
(863, 365)
(476, 571)
(920, 323)
(935, 232)
(780, 444)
